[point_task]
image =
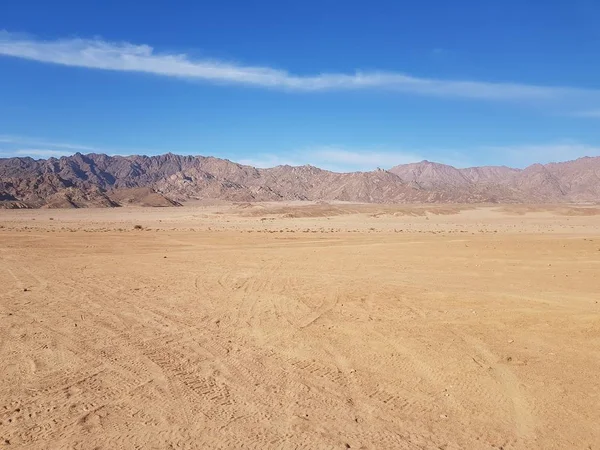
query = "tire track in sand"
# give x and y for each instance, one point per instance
(523, 417)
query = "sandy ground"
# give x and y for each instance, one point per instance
(301, 326)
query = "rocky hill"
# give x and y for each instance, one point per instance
(165, 180)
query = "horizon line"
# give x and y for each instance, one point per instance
(58, 157)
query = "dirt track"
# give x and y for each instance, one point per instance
(302, 327)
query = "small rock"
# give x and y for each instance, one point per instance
(25, 290)
(510, 341)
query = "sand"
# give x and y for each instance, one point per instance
(301, 326)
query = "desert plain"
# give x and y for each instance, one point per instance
(301, 325)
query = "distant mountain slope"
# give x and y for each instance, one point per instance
(164, 180)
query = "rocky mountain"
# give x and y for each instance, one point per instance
(165, 180)
(572, 181)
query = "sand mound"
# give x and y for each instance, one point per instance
(141, 197)
(78, 198)
(563, 210)
(12, 204)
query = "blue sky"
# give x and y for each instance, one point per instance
(341, 85)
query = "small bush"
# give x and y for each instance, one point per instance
(138, 227)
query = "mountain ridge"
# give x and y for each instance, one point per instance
(90, 179)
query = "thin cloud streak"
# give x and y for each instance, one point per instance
(363, 159)
(42, 153)
(334, 158)
(127, 57)
(524, 155)
(267, 160)
(7, 139)
(31, 146)
(591, 114)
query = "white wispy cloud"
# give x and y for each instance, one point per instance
(128, 57)
(591, 114)
(335, 158)
(525, 155)
(45, 148)
(361, 159)
(42, 153)
(24, 140)
(266, 160)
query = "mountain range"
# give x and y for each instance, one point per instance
(168, 180)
